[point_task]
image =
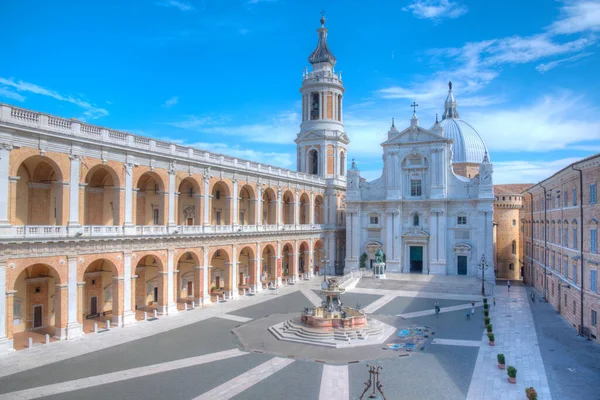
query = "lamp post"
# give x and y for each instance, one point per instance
(483, 265)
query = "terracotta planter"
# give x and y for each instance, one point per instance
(501, 366)
(491, 342)
(512, 380)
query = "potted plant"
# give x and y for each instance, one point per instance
(486, 313)
(485, 300)
(531, 393)
(363, 260)
(501, 361)
(486, 306)
(512, 374)
(489, 328)
(491, 338)
(487, 320)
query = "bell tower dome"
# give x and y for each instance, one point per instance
(322, 143)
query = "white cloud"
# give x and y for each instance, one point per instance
(281, 129)
(436, 9)
(556, 121)
(9, 94)
(529, 171)
(91, 111)
(578, 16)
(553, 64)
(171, 102)
(180, 5)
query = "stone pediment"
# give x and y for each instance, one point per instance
(323, 134)
(415, 233)
(415, 134)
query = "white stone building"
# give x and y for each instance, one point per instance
(425, 215)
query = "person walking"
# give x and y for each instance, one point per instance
(277, 289)
(494, 302)
(472, 306)
(437, 307)
(508, 284)
(468, 315)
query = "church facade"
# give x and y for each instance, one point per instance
(431, 211)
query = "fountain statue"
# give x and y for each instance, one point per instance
(379, 265)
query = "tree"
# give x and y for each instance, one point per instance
(363, 260)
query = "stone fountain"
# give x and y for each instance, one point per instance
(332, 324)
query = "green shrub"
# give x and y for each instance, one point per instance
(511, 371)
(363, 260)
(486, 313)
(487, 320)
(486, 306)
(489, 327)
(501, 359)
(531, 393)
(491, 337)
(485, 300)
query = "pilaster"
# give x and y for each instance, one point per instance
(6, 345)
(4, 189)
(74, 193)
(171, 305)
(128, 313)
(74, 328)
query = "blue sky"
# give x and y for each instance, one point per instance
(225, 75)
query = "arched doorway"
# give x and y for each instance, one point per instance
(247, 268)
(319, 260)
(269, 207)
(313, 162)
(150, 205)
(220, 274)
(247, 206)
(39, 194)
(101, 295)
(220, 204)
(102, 197)
(288, 208)
(189, 284)
(319, 210)
(268, 266)
(287, 262)
(304, 209)
(36, 306)
(149, 291)
(189, 202)
(304, 259)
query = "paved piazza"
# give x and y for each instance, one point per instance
(198, 355)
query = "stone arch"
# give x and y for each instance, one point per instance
(247, 267)
(268, 264)
(304, 266)
(150, 291)
(188, 286)
(288, 266)
(319, 209)
(220, 204)
(288, 207)
(102, 196)
(189, 202)
(102, 292)
(39, 195)
(37, 302)
(220, 271)
(247, 205)
(150, 199)
(304, 209)
(269, 206)
(319, 260)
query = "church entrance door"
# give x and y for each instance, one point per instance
(416, 259)
(462, 265)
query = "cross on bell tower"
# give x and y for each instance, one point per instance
(414, 105)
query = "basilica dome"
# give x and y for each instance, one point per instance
(468, 145)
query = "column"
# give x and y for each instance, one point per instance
(74, 193)
(278, 261)
(128, 313)
(311, 262)
(296, 207)
(198, 284)
(258, 269)
(206, 209)
(128, 223)
(117, 301)
(171, 212)
(332, 253)
(235, 293)
(80, 300)
(311, 211)
(205, 293)
(259, 192)
(6, 345)
(4, 191)
(236, 200)
(171, 307)
(73, 326)
(132, 304)
(278, 206)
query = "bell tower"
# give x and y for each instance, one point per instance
(322, 144)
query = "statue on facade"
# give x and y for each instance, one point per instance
(379, 256)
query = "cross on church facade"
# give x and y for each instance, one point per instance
(414, 105)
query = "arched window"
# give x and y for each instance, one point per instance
(416, 220)
(514, 247)
(514, 222)
(342, 164)
(314, 109)
(314, 162)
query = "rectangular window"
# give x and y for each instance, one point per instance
(218, 215)
(155, 216)
(559, 235)
(554, 260)
(374, 220)
(156, 188)
(415, 187)
(594, 318)
(566, 199)
(593, 280)
(566, 238)
(574, 273)
(574, 238)
(593, 193)
(558, 201)
(462, 220)
(566, 267)
(574, 307)
(593, 240)
(575, 196)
